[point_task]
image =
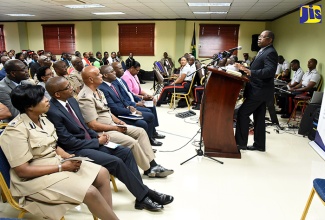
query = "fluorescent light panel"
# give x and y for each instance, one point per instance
(209, 4)
(85, 6)
(108, 13)
(20, 15)
(210, 12)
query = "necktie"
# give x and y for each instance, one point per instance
(113, 88)
(126, 90)
(87, 136)
(258, 53)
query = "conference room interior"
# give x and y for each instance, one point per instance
(261, 185)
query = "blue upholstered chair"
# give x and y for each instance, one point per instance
(5, 184)
(319, 188)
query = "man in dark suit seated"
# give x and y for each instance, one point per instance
(17, 73)
(258, 91)
(76, 138)
(132, 99)
(97, 115)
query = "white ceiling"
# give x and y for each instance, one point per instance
(45, 10)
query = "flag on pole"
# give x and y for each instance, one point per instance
(193, 44)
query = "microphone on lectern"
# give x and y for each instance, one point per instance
(235, 48)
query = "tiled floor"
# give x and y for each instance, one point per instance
(260, 186)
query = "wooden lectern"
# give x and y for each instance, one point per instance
(219, 99)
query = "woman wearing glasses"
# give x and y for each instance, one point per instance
(43, 74)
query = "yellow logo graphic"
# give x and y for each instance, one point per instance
(310, 14)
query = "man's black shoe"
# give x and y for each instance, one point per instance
(147, 204)
(158, 136)
(160, 198)
(197, 107)
(255, 148)
(242, 147)
(158, 171)
(154, 142)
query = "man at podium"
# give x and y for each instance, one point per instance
(258, 91)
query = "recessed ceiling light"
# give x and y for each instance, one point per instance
(108, 13)
(210, 12)
(85, 6)
(209, 4)
(20, 15)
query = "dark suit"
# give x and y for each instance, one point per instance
(118, 107)
(6, 86)
(33, 68)
(126, 97)
(258, 91)
(71, 137)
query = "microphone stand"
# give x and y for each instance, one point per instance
(200, 152)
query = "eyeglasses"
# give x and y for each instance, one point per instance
(260, 36)
(66, 88)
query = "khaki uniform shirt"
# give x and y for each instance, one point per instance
(75, 84)
(24, 142)
(93, 108)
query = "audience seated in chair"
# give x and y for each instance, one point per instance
(121, 107)
(17, 73)
(76, 73)
(3, 72)
(283, 69)
(61, 70)
(168, 63)
(283, 97)
(112, 58)
(76, 138)
(44, 184)
(98, 117)
(181, 84)
(134, 100)
(43, 74)
(307, 85)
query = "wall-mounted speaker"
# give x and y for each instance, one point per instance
(254, 46)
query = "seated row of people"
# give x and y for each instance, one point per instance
(137, 137)
(301, 83)
(74, 136)
(60, 68)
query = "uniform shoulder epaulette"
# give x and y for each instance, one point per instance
(15, 122)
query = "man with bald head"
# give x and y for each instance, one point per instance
(76, 72)
(75, 137)
(60, 68)
(17, 74)
(98, 117)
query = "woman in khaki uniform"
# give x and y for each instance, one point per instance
(43, 184)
